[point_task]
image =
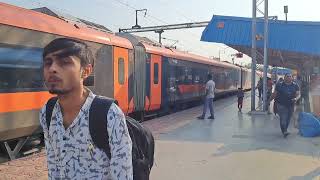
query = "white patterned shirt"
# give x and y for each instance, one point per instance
(71, 153)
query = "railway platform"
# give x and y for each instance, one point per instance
(232, 146)
(235, 146)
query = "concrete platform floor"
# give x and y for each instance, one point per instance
(234, 146)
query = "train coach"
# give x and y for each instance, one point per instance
(141, 76)
(166, 78)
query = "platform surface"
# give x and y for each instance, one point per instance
(234, 146)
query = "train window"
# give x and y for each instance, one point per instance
(179, 75)
(20, 68)
(155, 73)
(196, 79)
(121, 71)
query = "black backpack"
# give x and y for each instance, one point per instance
(142, 138)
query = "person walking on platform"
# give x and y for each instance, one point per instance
(69, 146)
(260, 87)
(269, 92)
(240, 95)
(285, 95)
(275, 110)
(208, 102)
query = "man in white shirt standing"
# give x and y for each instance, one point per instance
(210, 87)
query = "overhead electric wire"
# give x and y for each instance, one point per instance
(149, 18)
(148, 15)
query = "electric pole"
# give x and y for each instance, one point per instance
(138, 10)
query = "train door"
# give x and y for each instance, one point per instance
(120, 60)
(155, 82)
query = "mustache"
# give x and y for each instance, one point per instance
(54, 78)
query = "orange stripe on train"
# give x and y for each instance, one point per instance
(190, 88)
(10, 102)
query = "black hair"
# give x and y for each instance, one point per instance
(70, 47)
(287, 74)
(209, 76)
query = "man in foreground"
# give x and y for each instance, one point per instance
(71, 153)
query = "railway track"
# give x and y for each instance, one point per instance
(31, 147)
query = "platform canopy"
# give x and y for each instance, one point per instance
(292, 44)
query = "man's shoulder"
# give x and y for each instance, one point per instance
(111, 109)
(42, 115)
(210, 82)
(279, 85)
(295, 83)
(43, 108)
(114, 113)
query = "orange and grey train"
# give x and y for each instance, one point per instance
(142, 77)
(24, 33)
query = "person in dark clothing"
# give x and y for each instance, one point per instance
(286, 94)
(275, 110)
(240, 95)
(269, 92)
(260, 87)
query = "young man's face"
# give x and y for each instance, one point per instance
(62, 74)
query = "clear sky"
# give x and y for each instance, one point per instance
(116, 14)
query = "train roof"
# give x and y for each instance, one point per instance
(29, 19)
(173, 53)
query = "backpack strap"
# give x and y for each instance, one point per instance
(98, 122)
(49, 108)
